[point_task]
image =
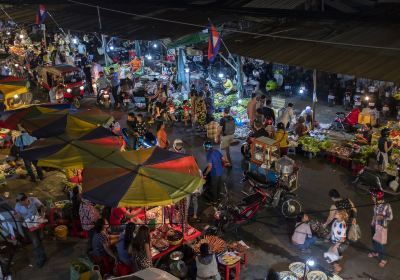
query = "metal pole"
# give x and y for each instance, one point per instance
(44, 35)
(314, 104)
(98, 15)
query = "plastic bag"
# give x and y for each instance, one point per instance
(354, 233)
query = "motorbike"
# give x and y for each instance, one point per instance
(369, 179)
(280, 196)
(105, 99)
(342, 123)
(143, 142)
(245, 149)
(126, 100)
(229, 216)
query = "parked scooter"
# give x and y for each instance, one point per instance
(370, 179)
(126, 100)
(345, 123)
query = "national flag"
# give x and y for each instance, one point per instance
(41, 15)
(213, 42)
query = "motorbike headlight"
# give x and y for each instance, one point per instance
(69, 90)
(301, 91)
(81, 87)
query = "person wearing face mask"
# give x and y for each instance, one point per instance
(177, 146)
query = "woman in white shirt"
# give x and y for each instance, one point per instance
(206, 263)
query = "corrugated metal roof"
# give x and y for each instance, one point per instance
(275, 4)
(85, 19)
(374, 63)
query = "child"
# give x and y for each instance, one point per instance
(171, 111)
(186, 112)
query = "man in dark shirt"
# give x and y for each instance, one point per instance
(131, 130)
(268, 112)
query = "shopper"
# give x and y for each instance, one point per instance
(251, 108)
(340, 203)
(213, 130)
(281, 138)
(23, 141)
(102, 254)
(88, 215)
(209, 102)
(162, 139)
(287, 116)
(186, 112)
(125, 263)
(214, 170)
(383, 214)
(114, 80)
(206, 263)
(141, 248)
(302, 236)
(131, 130)
(384, 146)
(338, 239)
(29, 208)
(228, 128)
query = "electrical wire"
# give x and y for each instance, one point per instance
(271, 35)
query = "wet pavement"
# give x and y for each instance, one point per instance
(267, 234)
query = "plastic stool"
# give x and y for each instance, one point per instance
(228, 268)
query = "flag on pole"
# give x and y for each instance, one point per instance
(41, 15)
(214, 42)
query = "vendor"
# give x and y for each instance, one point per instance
(307, 114)
(384, 146)
(118, 214)
(258, 129)
(103, 255)
(300, 128)
(206, 263)
(136, 64)
(27, 208)
(228, 85)
(365, 136)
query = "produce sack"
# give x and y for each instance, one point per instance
(81, 269)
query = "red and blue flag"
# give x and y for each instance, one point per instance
(214, 42)
(41, 15)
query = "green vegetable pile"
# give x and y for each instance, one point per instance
(223, 101)
(363, 155)
(309, 144)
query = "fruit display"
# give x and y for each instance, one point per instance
(228, 258)
(174, 237)
(237, 246)
(160, 244)
(216, 244)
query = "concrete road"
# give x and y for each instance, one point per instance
(267, 234)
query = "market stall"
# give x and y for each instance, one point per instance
(14, 92)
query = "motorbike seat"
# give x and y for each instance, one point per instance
(248, 200)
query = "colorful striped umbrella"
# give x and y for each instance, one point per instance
(72, 150)
(151, 177)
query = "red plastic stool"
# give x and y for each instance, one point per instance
(228, 268)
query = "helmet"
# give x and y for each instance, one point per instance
(178, 144)
(308, 109)
(377, 193)
(208, 145)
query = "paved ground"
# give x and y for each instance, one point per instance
(267, 235)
